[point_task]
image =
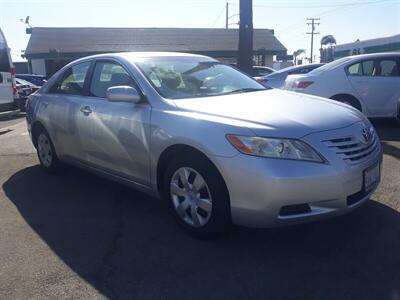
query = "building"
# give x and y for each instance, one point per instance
(21, 67)
(385, 44)
(49, 49)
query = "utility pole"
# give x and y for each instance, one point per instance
(312, 23)
(245, 57)
(226, 15)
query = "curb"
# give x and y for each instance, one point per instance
(8, 114)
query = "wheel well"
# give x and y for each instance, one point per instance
(348, 98)
(172, 151)
(36, 128)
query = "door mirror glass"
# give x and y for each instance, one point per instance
(123, 93)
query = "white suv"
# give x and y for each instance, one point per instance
(369, 82)
(7, 72)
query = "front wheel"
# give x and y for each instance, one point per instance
(197, 196)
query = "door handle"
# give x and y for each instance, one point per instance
(45, 103)
(86, 110)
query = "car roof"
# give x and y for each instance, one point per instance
(135, 56)
(374, 55)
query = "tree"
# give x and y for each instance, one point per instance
(298, 53)
(326, 50)
(245, 57)
(328, 40)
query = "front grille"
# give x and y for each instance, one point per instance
(352, 149)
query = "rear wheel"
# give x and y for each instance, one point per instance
(197, 196)
(46, 152)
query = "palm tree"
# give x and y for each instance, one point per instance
(327, 53)
(328, 40)
(298, 53)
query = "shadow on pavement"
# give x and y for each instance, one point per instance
(126, 246)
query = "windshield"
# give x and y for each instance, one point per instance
(183, 77)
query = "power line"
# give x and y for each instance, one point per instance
(302, 6)
(219, 16)
(312, 23)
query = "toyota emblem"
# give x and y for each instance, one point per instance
(366, 133)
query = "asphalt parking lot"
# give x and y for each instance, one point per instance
(75, 235)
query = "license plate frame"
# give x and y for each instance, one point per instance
(372, 176)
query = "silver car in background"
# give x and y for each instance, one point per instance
(215, 144)
(277, 79)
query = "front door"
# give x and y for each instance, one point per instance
(115, 135)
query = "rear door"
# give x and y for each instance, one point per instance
(377, 83)
(115, 135)
(61, 110)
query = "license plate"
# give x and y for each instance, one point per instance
(371, 177)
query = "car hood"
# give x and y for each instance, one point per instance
(275, 113)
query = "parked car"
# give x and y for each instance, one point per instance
(24, 89)
(38, 80)
(7, 71)
(215, 144)
(277, 79)
(368, 82)
(258, 71)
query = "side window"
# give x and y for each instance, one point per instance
(72, 80)
(355, 69)
(368, 67)
(387, 67)
(108, 74)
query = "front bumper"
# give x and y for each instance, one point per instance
(274, 192)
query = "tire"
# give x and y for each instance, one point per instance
(349, 100)
(203, 212)
(46, 153)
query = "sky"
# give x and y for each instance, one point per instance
(346, 20)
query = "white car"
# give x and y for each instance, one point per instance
(7, 71)
(369, 82)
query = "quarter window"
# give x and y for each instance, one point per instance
(355, 69)
(72, 80)
(108, 74)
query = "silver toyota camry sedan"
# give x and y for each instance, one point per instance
(212, 142)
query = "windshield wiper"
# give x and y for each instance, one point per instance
(245, 90)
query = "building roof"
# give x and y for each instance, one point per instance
(101, 40)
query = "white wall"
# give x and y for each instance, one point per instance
(38, 66)
(269, 60)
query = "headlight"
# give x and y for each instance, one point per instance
(274, 148)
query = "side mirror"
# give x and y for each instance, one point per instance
(123, 94)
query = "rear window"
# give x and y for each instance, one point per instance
(330, 66)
